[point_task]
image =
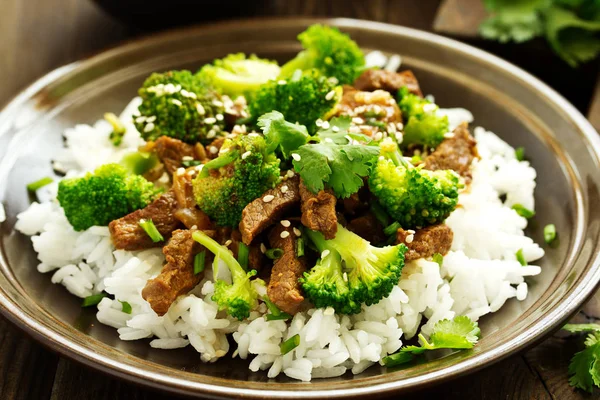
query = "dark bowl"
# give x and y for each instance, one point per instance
(561, 144)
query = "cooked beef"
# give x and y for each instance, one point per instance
(456, 153)
(318, 211)
(256, 258)
(127, 234)
(258, 214)
(188, 213)
(353, 205)
(371, 112)
(284, 289)
(177, 275)
(368, 227)
(172, 151)
(425, 242)
(390, 81)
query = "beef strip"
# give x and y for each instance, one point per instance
(172, 151)
(318, 211)
(371, 112)
(177, 275)
(455, 153)
(367, 227)
(425, 242)
(390, 81)
(188, 213)
(258, 214)
(284, 289)
(127, 234)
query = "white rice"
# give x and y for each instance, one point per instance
(2, 213)
(477, 277)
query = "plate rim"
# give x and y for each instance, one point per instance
(51, 339)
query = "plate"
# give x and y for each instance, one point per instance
(559, 142)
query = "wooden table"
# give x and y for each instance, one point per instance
(39, 35)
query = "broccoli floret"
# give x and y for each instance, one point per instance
(244, 170)
(413, 196)
(351, 272)
(179, 105)
(237, 74)
(328, 50)
(303, 99)
(239, 297)
(422, 125)
(103, 196)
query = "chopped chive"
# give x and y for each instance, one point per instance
(391, 229)
(300, 247)
(375, 123)
(380, 213)
(243, 255)
(271, 306)
(119, 130)
(149, 227)
(275, 312)
(549, 233)
(199, 260)
(125, 307)
(93, 300)
(522, 211)
(398, 358)
(191, 163)
(520, 257)
(438, 258)
(520, 153)
(290, 344)
(274, 253)
(33, 186)
(283, 316)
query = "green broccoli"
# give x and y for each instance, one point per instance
(303, 99)
(239, 297)
(413, 196)
(244, 170)
(422, 125)
(108, 194)
(351, 272)
(179, 105)
(237, 74)
(328, 50)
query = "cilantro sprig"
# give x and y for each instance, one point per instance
(584, 368)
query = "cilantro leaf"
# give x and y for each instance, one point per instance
(281, 134)
(583, 368)
(512, 20)
(341, 167)
(574, 328)
(338, 132)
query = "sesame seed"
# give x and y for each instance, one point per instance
(211, 134)
(253, 134)
(296, 156)
(219, 117)
(348, 138)
(330, 95)
(141, 119)
(284, 189)
(410, 232)
(290, 173)
(378, 136)
(325, 125)
(151, 119)
(381, 158)
(187, 158)
(246, 154)
(319, 122)
(358, 120)
(399, 125)
(180, 171)
(328, 140)
(284, 234)
(268, 198)
(286, 223)
(217, 103)
(429, 107)
(297, 232)
(176, 102)
(213, 150)
(345, 276)
(325, 253)
(199, 167)
(228, 242)
(281, 82)
(409, 239)
(335, 129)
(149, 127)
(194, 227)
(210, 120)
(263, 248)
(142, 220)
(448, 135)
(200, 109)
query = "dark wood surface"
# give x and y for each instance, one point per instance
(39, 35)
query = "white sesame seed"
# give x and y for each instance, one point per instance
(378, 136)
(219, 117)
(345, 276)
(210, 120)
(325, 253)
(200, 109)
(176, 102)
(358, 120)
(409, 238)
(285, 223)
(290, 173)
(217, 103)
(330, 95)
(228, 242)
(410, 232)
(325, 125)
(142, 220)
(319, 122)
(296, 156)
(399, 125)
(151, 119)
(297, 232)
(149, 127)
(284, 189)
(199, 167)
(284, 234)
(381, 158)
(194, 227)
(253, 134)
(448, 135)
(141, 119)
(328, 140)
(268, 198)
(281, 82)
(213, 150)
(180, 171)
(246, 154)
(164, 178)
(263, 248)
(429, 107)
(211, 134)
(348, 138)
(187, 158)
(335, 129)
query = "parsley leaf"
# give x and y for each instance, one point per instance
(281, 134)
(458, 333)
(341, 167)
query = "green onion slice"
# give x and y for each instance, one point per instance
(93, 300)
(125, 307)
(33, 186)
(550, 233)
(274, 253)
(290, 344)
(199, 262)
(522, 211)
(299, 247)
(243, 255)
(150, 229)
(520, 153)
(520, 257)
(391, 229)
(438, 258)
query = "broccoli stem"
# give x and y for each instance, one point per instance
(222, 253)
(219, 162)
